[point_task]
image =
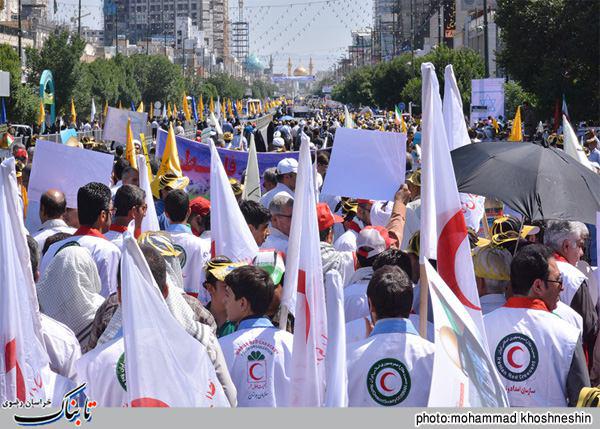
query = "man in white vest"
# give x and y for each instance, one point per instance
(281, 208)
(393, 366)
(130, 205)
(194, 251)
(567, 241)
(538, 355)
(287, 170)
(53, 206)
(258, 354)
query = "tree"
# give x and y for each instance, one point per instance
(227, 86)
(356, 88)
(61, 55)
(389, 79)
(551, 47)
(514, 96)
(22, 105)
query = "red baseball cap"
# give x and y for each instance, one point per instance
(325, 218)
(200, 206)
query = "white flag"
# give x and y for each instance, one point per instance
(23, 355)
(304, 294)
(252, 182)
(150, 221)
(336, 393)
(215, 124)
(93, 111)
(218, 108)
(463, 372)
(230, 234)
(443, 229)
(571, 145)
(348, 122)
(164, 365)
(164, 111)
(458, 136)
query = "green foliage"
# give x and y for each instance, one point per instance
(551, 47)
(228, 86)
(357, 87)
(514, 96)
(262, 89)
(21, 106)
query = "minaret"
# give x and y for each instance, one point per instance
(271, 64)
(289, 66)
(310, 67)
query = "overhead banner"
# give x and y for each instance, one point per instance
(194, 158)
(115, 125)
(487, 98)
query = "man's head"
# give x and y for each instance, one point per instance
(249, 292)
(118, 168)
(53, 205)
(199, 218)
(492, 269)
(534, 274)
(322, 162)
(371, 241)
(257, 217)
(395, 257)
(281, 208)
(55, 238)
(390, 293)
(94, 206)
(363, 211)
(130, 203)
(273, 263)
(568, 239)
(270, 178)
(177, 206)
(130, 176)
(326, 220)
(287, 170)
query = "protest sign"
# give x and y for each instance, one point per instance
(65, 135)
(487, 98)
(376, 160)
(115, 125)
(65, 168)
(194, 158)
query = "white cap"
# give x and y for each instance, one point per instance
(287, 165)
(276, 134)
(278, 142)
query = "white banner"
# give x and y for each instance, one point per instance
(487, 98)
(366, 164)
(115, 125)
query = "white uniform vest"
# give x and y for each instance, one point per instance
(259, 362)
(567, 314)
(572, 279)
(392, 369)
(104, 253)
(358, 329)
(195, 253)
(532, 350)
(277, 240)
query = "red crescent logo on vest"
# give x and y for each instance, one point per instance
(382, 381)
(149, 402)
(510, 358)
(453, 234)
(251, 371)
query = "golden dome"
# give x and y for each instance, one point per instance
(300, 71)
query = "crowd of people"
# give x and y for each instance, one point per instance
(538, 286)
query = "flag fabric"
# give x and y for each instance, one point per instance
(565, 111)
(105, 112)
(223, 108)
(463, 372)
(454, 119)
(170, 158)
(218, 108)
(215, 123)
(194, 109)
(252, 183)
(201, 108)
(120, 105)
(169, 111)
(230, 108)
(230, 234)
(235, 109)
(130, 148)
(211, 106)
(41, 119)
(146, 156)
(572, 146)
(336, 393)
(141, 107)
(164, 111)
(133, 109)
(23, 355)
(516, 133)
(93, 111)
(73, 112)
(348, 122)
(3, 118)
(304, 293)
(158, 348)
(175, 111)
(443, 229)
(186, 108)
(151, 114)
(150, 221)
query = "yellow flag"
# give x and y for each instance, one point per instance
(495, 125)
(105, 109)
(141, 107)
(211, 106)
(169, 111)
(120, 105)
(402, 124)
(145, 151)
(42, 114)
(223, 109)
(230, 108)
(151, 114)
(73, 112)
(516, 134)
(186, 109)
(130, 148)
(175, 111)
(201, 109)
(170, 161)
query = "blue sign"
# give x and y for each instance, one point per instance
(401, 106)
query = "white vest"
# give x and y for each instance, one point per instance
(567, 314)
(259, 362)
(392, 369)
(532, 350)
(195, 253)
(572, 279)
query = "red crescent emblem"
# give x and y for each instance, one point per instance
(510, 359)
(10, 362)
(251, 371)
(382, 381)
(149, 402)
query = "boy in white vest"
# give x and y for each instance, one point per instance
(393, 366)
(538, 355)
(258, 354)
(194, 251)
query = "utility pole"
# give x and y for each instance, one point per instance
(20, 31)
(486, 52)
(147, 26)
(79, 20)
(116, 36)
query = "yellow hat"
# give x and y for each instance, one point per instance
(220, 269)
(491, 262)
(415, 178)
(161, 241)
(236, 186)
(168, 180)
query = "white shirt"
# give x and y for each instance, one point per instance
(116, 238)
(381, 211)
(346, 242)
(104, 253)
(413, 222)
(62, 347)
(572, 280)
(276, 240)
(356, 303)
(49, 228)
(265, 200)
(259, 361)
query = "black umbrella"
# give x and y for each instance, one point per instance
(538, 182)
